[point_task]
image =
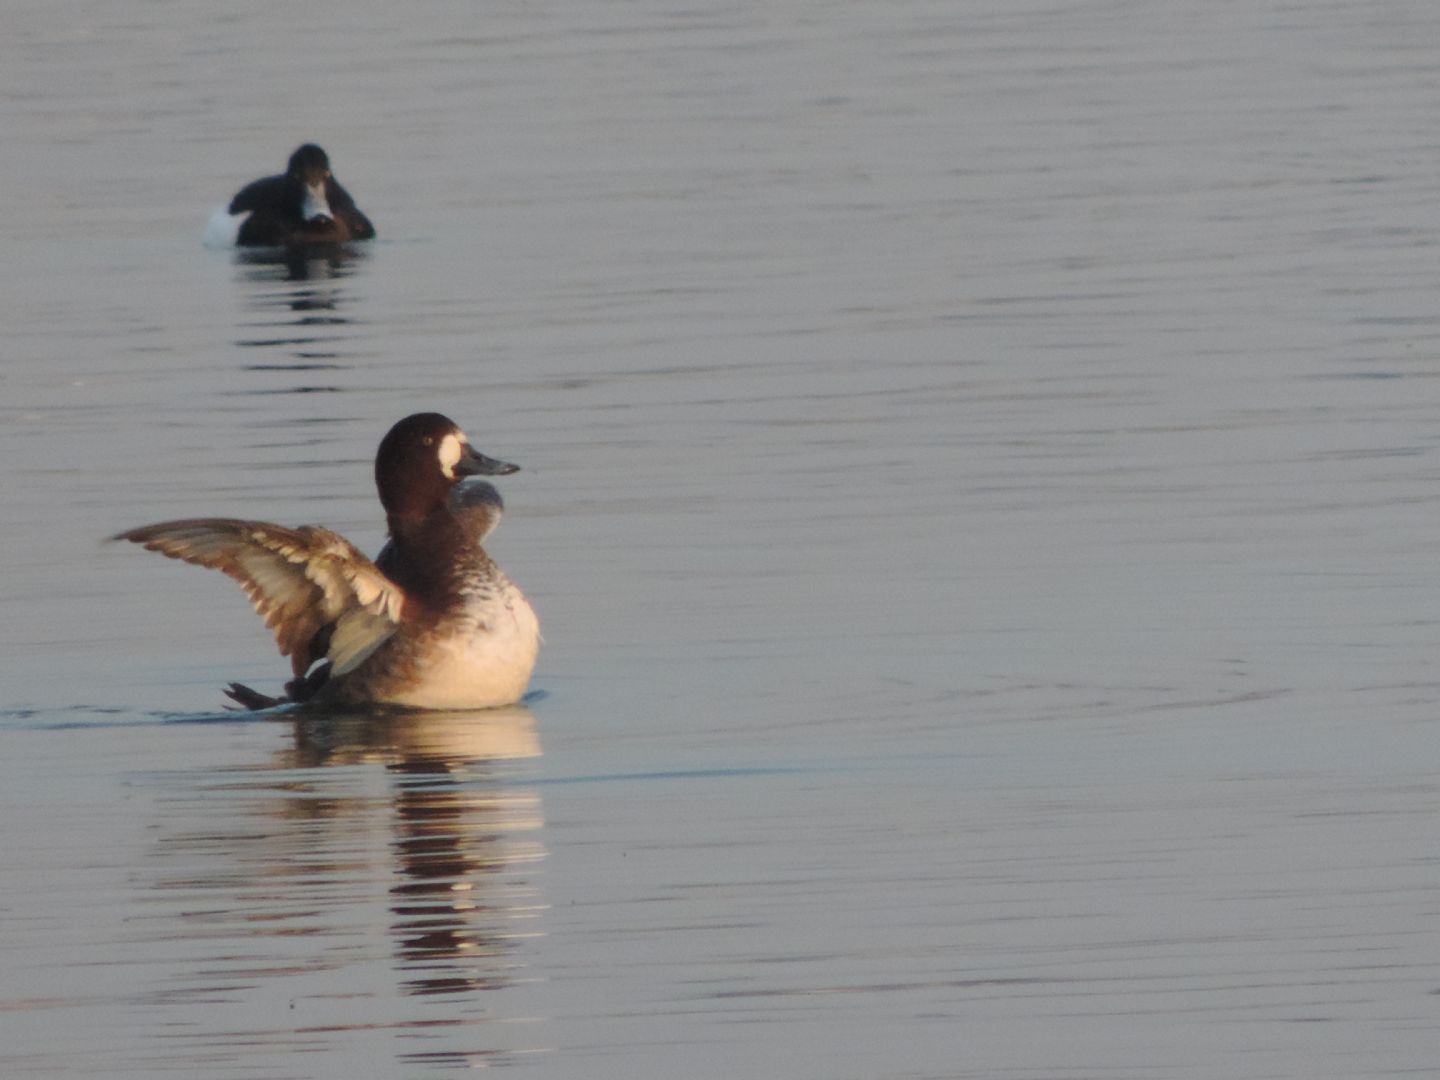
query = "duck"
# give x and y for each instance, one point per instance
(431, 623)
(303, 205)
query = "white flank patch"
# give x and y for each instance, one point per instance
(223, 228)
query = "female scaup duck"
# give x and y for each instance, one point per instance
(432, 623)
(305, 205)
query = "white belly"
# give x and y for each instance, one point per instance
(487, 664)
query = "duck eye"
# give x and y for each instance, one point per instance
(429, 440)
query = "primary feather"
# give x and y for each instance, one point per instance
(315, 590)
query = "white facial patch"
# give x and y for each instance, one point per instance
(315, 204)
(451, 447)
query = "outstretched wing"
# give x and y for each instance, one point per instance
(319, 595)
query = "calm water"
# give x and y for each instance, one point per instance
(980, 482)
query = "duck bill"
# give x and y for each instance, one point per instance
(474, 463)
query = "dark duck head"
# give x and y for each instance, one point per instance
(419, 461)
(304, 205)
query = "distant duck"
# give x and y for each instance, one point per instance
(304, 205)
(432, 623)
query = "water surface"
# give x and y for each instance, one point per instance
(979, 477)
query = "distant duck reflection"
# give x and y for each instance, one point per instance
(297, 277)
(298, 264)
(296, 319)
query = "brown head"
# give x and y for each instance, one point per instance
(420, 460)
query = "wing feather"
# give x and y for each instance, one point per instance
(302, 581)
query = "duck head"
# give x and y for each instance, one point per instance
(309, 167)
(420, 460)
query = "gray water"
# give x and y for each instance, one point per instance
(980, 485)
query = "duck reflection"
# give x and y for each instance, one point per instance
(377, 866)
(299, 295)
(454, 830)
(319, 262)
